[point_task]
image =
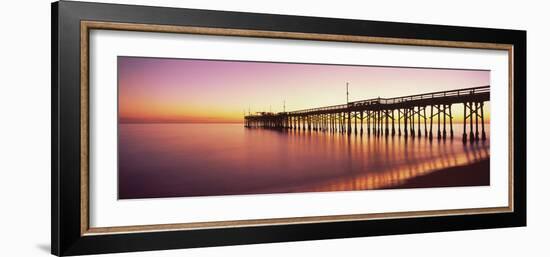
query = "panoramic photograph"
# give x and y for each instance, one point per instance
(194, 127)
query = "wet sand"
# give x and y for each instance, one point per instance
(476, 174)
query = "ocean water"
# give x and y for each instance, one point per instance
(181, 160)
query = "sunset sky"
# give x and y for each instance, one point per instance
(184, 90)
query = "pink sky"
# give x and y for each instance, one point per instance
(184, 90)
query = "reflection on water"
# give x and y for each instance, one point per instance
(166, 160)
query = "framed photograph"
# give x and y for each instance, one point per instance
(178, 128)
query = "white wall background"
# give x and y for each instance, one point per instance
(25, 127)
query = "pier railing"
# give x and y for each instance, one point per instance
(458, 93)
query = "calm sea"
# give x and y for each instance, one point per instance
(177, 160)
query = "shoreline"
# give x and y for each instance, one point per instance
(475, 174)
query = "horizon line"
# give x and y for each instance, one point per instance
(186, 122)
(180, 122)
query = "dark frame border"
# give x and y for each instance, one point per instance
(66, 115)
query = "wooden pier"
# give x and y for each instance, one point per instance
(427, 115)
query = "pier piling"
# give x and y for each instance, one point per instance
(377, 113)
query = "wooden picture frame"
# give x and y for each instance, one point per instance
(71, 25)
